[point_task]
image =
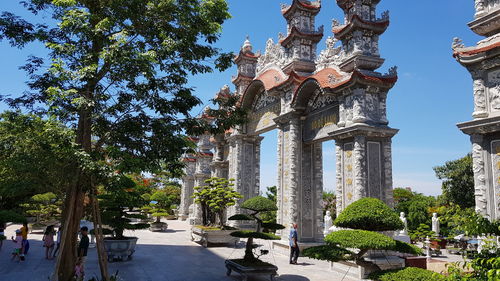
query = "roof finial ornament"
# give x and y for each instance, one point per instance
(393, 71)
(247, 46)
(457, 43)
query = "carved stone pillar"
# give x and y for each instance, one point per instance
(478, 166)
(339, 176)
(387, 160)
(359, 166)
(294, 168)
(358, 107)
(186, 193)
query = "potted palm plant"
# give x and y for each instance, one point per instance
(120, 204)
(250, 265)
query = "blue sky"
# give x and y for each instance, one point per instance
(433, 92)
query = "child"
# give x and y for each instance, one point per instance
(18, 250)
(79, 270)
(48, 238)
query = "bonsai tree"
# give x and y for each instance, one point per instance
(365, 218)
(214, 197)
(120, 203)
(256, 206)
(44, 207)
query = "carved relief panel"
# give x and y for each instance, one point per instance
(348, 176)
(375, 171)
(493, 78)
(494, 193)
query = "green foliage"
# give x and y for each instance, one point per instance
(10, 216)
(120, 202)
(36, 156)
(254, 234)
(271, 194)
(329, 203)
(406, 274)
(415, 205)
(328, 253)
(241, 217)
(458, 181)
(259, 204)
(45, 207)
(360, 239)
(369, 214)
(482, 266)
(214, 197)
(273, 226)
(364, 215)
(458, 220)
(421, 233)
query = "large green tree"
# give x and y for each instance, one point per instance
(36, 156)
(458, 181)
(117, 72)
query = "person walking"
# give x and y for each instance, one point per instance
(58, 241)
(294, 246)
(24, 234)
(48, 241)
(83, 246)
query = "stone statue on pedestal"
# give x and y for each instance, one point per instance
(328, 223)
(435, 223)
(402, 217)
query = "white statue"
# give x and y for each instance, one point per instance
(328, 223)
(435, 223)
(402, 217)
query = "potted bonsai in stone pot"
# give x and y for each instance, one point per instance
(160, 206)
(214, 197)
(364, 219)
(119, 203)
(251, 265)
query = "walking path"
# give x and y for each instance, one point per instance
(167, 256)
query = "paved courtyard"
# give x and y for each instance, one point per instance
(169, 256)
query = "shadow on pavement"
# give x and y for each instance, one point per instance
(290, 277)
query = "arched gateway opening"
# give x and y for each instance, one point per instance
(307, 100)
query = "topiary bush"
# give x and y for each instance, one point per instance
(369, 214)
(364, 217)
(255, 205)
(406, 274)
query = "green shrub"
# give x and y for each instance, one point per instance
(328, 253)
(10, 216)
(254, 234)
(360, 239)
(406, 274)
(369, 214)
(259, 204)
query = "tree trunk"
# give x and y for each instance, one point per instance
(101, 251)
(249, 250)
(72, 213)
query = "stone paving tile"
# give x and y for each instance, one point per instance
(168, 256)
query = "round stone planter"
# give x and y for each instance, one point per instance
(261, 269)
(158, 226)
(207, 237)
(120, 249)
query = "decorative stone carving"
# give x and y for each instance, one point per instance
(328, 223)
(479, 99)
(457, 44)
(275, 54)
(435, 223)
(263, 100)
(479, 174)
(493, 90)
(360, 179)
(480, 8)
(402, 217)
(330, 56)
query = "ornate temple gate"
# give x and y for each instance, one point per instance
(310, 99)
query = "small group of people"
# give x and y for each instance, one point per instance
(22, 244)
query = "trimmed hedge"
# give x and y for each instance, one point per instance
(240, 217)
(259, 204)
(254, 234)
(369, 214)
(360, 239)
(327, 253)
(406, 274)
(273, 226)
